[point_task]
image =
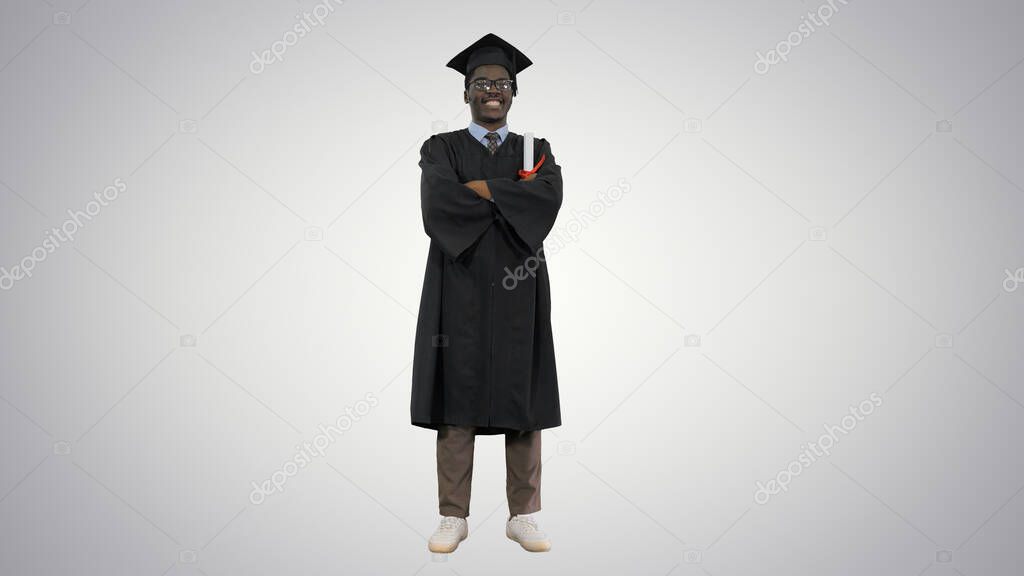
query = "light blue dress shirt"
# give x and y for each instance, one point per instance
(480, 133)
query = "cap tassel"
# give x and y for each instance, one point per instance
(515, 87)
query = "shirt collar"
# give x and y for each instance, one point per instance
(480, 133)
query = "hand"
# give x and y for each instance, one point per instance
(480, 187)
(529, 177)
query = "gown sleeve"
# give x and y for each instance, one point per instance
(530, 206)
(453, 215)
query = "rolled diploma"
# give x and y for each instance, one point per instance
(528, 151)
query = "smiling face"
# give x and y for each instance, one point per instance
(488, 107)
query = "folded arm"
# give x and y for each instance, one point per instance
(530, 205)
(453, 214)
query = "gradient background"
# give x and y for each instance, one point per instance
(839, 226)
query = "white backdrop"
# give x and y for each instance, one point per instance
(792, 346)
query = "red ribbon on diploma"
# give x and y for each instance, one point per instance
(525, 173)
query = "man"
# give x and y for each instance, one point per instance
(484, 357)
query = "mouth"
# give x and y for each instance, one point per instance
(492, 103)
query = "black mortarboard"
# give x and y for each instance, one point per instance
(491, 50)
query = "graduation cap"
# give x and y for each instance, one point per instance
(490, 50)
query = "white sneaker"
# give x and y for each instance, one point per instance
(523, 528)
(448, 535)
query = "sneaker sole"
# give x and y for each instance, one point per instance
(532, 546)
(444, 548)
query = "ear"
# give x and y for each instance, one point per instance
(465, 96)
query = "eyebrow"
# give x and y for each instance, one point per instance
(486, 78)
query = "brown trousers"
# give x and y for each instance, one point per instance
(455, 470)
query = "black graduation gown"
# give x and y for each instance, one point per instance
(484, 354)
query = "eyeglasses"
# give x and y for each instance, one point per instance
(483, 84)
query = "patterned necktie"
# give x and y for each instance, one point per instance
(492, 142)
